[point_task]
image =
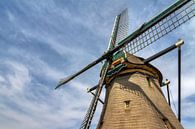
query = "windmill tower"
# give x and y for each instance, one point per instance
(133, 86)
(134, 99)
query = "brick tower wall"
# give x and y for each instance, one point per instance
(134, 100)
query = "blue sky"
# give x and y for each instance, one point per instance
(43, 41)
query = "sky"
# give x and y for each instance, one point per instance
(43, 41)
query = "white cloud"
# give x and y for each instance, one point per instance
(17, 78)
(189, 125)
(188, 111)
(54, 109)
(11, 16)
(35, 64)
(2, 79)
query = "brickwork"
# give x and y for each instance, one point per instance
(135, 101)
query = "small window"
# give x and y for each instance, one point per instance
(127, 104)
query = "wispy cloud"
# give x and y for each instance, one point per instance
(43, 41)
(22, 105)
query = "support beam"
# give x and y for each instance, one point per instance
(168, 94)
(179, 84)
(91, 89)
(176, 45)
(101, 101)
(166, 83)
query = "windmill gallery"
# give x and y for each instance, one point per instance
(134, 98)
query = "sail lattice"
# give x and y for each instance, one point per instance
(161, 28)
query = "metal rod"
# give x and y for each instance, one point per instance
(98, 98)
(179, 84)
(177, 44)
(92, 88)
(168, 94)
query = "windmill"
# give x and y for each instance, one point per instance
(120, 62)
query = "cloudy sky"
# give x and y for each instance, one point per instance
(42, 41)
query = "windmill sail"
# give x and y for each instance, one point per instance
(159, 26)
(148, 33)
(112, 42)
(120, 29)
(123, 26)
(117, 32)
